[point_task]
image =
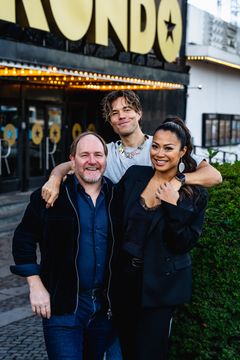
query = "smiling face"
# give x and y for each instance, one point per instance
(166, 152)
(89, 161)
(123, 118)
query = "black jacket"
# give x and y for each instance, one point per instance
(175, 230)
(56, 230)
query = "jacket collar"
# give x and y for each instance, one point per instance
(72, 183)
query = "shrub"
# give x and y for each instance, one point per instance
(209, 327)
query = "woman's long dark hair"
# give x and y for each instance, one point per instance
(176, 125)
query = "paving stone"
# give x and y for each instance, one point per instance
(21, 336)
(11, 281)
(23, 340)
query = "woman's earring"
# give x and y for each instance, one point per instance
(181, 166)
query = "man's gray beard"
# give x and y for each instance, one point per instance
(91, 180)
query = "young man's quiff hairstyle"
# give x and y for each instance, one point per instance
(130, 97)
(74, 144)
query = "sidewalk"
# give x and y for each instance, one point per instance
(21, 336)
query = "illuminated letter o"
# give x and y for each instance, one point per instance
(72, 17)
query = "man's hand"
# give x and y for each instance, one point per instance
(50, 190)
(166, 192)
(39, 297)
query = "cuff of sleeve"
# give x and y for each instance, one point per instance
(176, 213)
(25, 269)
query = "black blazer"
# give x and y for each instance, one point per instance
(175, 230)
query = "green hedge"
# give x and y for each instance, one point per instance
(209, 327)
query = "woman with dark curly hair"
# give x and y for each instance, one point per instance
(155, 227)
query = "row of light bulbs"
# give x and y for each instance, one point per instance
(213, 60)
(65, 77)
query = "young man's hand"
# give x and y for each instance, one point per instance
(50, 190)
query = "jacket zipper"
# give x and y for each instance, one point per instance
(109, 312)
(69, 198)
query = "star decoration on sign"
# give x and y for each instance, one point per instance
(170, 27)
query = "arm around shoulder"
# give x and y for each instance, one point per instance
(205, 175)
(50, 189)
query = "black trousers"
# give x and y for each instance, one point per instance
(143, 332)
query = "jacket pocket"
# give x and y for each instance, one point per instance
(172, 265)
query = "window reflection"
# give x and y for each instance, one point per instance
(221, 129)
(8, 141)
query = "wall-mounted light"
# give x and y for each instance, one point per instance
(198, 87)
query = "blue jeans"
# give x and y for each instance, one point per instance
(85, 334)
(114, 351)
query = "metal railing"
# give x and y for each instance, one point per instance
(220, 157)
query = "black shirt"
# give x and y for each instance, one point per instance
(138, 223)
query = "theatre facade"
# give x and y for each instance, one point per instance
(58, 59)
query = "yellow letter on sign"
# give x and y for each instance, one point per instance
(72, 17)
(34, 18)
(116, 12)
(35, 14)
(142, 26)
(7, 10)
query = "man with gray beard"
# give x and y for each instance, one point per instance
(68, 289)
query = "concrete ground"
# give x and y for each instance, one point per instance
(21, 336)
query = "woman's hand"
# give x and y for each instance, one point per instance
(39, 297)
(50, 190)
(166, 192)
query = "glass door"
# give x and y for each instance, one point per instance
(45, 141)
(31, 147)
(36, 129)
(9, 147)
(54, 139)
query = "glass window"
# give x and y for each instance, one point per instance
(234, 132)
(238, 132)
(208, 135)
(220, 130)
(9, 122)
(236, 129)
(53, 140)
(36, 139)
(214, 141)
